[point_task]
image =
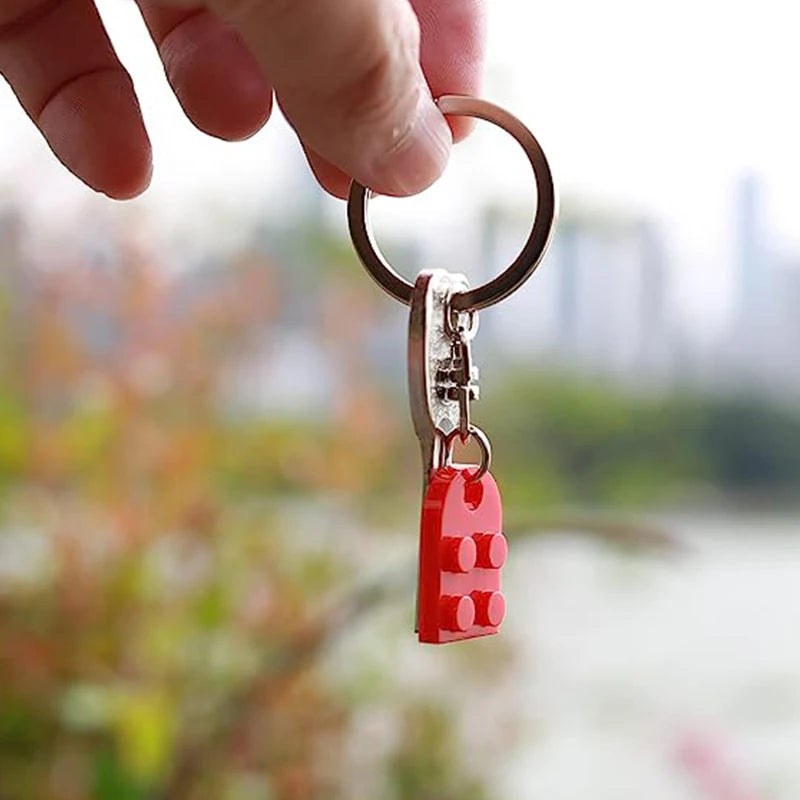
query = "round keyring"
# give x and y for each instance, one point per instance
(532, 251)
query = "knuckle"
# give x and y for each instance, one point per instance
(366, 96)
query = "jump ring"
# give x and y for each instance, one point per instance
(483, 442)
(451, 326)
(532, 251)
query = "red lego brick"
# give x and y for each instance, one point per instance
(462, 552)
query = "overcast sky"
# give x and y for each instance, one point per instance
(654, 107)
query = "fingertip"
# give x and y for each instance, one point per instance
(330, 178)
(418, 158)
(339, 190)
(411, 165)
(216, 79)
(460, 127)
(131, 185)
(94, 127)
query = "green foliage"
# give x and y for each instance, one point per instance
(14, 436)
(169, 586)
(749, 445)
(428, 762)
(567, 441)
(111, 781)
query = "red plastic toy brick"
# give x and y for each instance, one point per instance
(462, 551)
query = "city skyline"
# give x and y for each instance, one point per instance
(627, 125)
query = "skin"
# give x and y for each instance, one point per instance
(353, 77)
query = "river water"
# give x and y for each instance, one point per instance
(665, 676)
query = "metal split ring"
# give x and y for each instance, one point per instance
(532, 251)
(483, 442)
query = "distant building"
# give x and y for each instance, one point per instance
(598, 302)
(753, 258)
(761, 350)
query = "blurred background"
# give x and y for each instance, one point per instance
(209, 480)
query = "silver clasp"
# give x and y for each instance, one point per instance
(442, 378)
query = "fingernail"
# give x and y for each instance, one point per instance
(420, 155)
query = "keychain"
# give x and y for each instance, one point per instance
(462, 546)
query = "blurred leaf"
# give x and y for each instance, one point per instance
(14, 437)
(22, 730)
(112, 782)
(427, 763)
(87, 707)
(145, 728)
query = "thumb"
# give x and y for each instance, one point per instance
(347, 75)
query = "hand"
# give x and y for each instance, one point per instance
(353, 77)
